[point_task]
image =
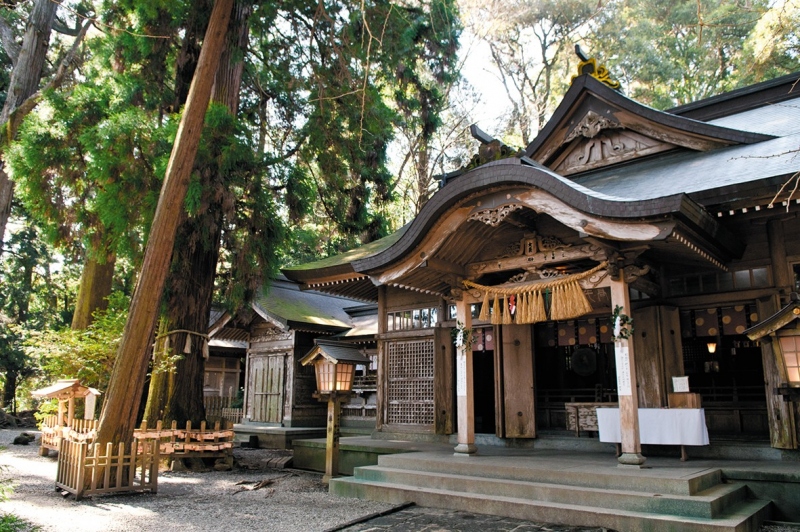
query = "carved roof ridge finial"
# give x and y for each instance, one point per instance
(588, 65)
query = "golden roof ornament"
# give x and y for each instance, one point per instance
(588, 65)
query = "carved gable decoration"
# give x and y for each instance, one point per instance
(596, 126)
(596, 147)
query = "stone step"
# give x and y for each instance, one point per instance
(711, 503)
(681, 481)
(745, 516)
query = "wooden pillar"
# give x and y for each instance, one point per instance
(780, 262)
(382, 382)
(70, 411)
(332, 437)
(61, 420)
(464, 388)
(626, 381)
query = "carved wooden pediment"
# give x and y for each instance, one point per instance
(597, 147)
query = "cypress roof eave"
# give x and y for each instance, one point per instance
(340, 267)
(511, 172)
(586, 85)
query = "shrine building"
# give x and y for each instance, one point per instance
(622, 248)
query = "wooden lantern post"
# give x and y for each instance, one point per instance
(334, 367)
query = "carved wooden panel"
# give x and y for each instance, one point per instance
(608, 147)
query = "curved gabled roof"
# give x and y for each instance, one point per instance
(533, 186)
(590, 107)
(513, 172)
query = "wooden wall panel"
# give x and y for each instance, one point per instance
(649, 360)
(518, 379)
(671, 345)
(443, 382)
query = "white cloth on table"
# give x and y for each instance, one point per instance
(661, 426)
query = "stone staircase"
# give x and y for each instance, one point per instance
(574, 492)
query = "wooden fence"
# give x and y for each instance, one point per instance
(231, 415)
(86, 469)
(216, 408)
(53, 432)
(188, 441)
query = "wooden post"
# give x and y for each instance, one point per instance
(70, 411)
(464, 388)
(60, 422)
(332, 436)
(631, 455)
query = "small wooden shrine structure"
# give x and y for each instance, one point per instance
(54, 427)
(623, 247)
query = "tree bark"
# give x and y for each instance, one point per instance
(195, 260)
(24, 81)
(160, 379)
(10, 391)
(128, 377)
(96, 281)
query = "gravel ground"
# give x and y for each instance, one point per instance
(295, 501)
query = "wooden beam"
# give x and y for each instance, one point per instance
(537, 260)
(443, 266)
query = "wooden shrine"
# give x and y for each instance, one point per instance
(54, 427)
(623, 247)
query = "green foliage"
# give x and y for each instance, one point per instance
(91, 154)
(87, 354)
(46, 408)
(680, 51)
(12, 523)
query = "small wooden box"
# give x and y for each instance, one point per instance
(684, 400)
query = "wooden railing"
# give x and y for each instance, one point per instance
(53, 432)
(214, 406)
(232, 415)
(188, 441)
(86, 469)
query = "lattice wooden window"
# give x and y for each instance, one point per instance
(410, 382)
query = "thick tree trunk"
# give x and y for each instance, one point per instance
(24, 81)
(190, 307)
(128, 377)
(195, 261)
(95, 287)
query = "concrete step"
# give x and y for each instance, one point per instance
(682, 481)
(708, 504)
(745, 516)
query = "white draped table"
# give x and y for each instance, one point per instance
(658, 426)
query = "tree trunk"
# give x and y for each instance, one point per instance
(195, 260)
(160, 378)
(128, 377)
(95, 287)
(24, 81)
(10, 391)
